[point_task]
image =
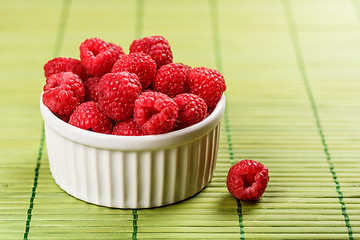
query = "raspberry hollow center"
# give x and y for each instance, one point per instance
(95, 52)
(248, 179)
(149, 112)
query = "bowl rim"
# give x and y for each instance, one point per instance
(132, 143)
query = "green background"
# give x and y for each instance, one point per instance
(292, 69)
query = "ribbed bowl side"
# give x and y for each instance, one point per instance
(132, 179)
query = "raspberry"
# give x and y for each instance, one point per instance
(97, 56)
(192, 109)
(156, 46)
(117, 94)
(208, 84)
(61, 64)
(171, 79)
(140, 64)
(89, 116)
(155, 112)
(247, 180)
(63, 92)
(127, 128)
(91, 86)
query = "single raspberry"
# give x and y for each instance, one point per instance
(208, 84)
(192, 109)
(117, 94)
(91, 86)
(156, 46)
(61, 64)
(127, 128)
(69, 79)
(88, 116)
(97, 56)
(155, 112)
(140, 64)
(171, 79)
(247, 180)
(63, 92)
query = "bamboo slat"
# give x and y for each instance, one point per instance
(292, 74)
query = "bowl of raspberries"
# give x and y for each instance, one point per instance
(133, 130)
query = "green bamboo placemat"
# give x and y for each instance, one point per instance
(293, 103)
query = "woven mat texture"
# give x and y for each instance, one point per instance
(292, 69)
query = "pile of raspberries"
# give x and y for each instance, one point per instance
(140, 93)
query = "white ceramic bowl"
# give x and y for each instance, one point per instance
(132, 171)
